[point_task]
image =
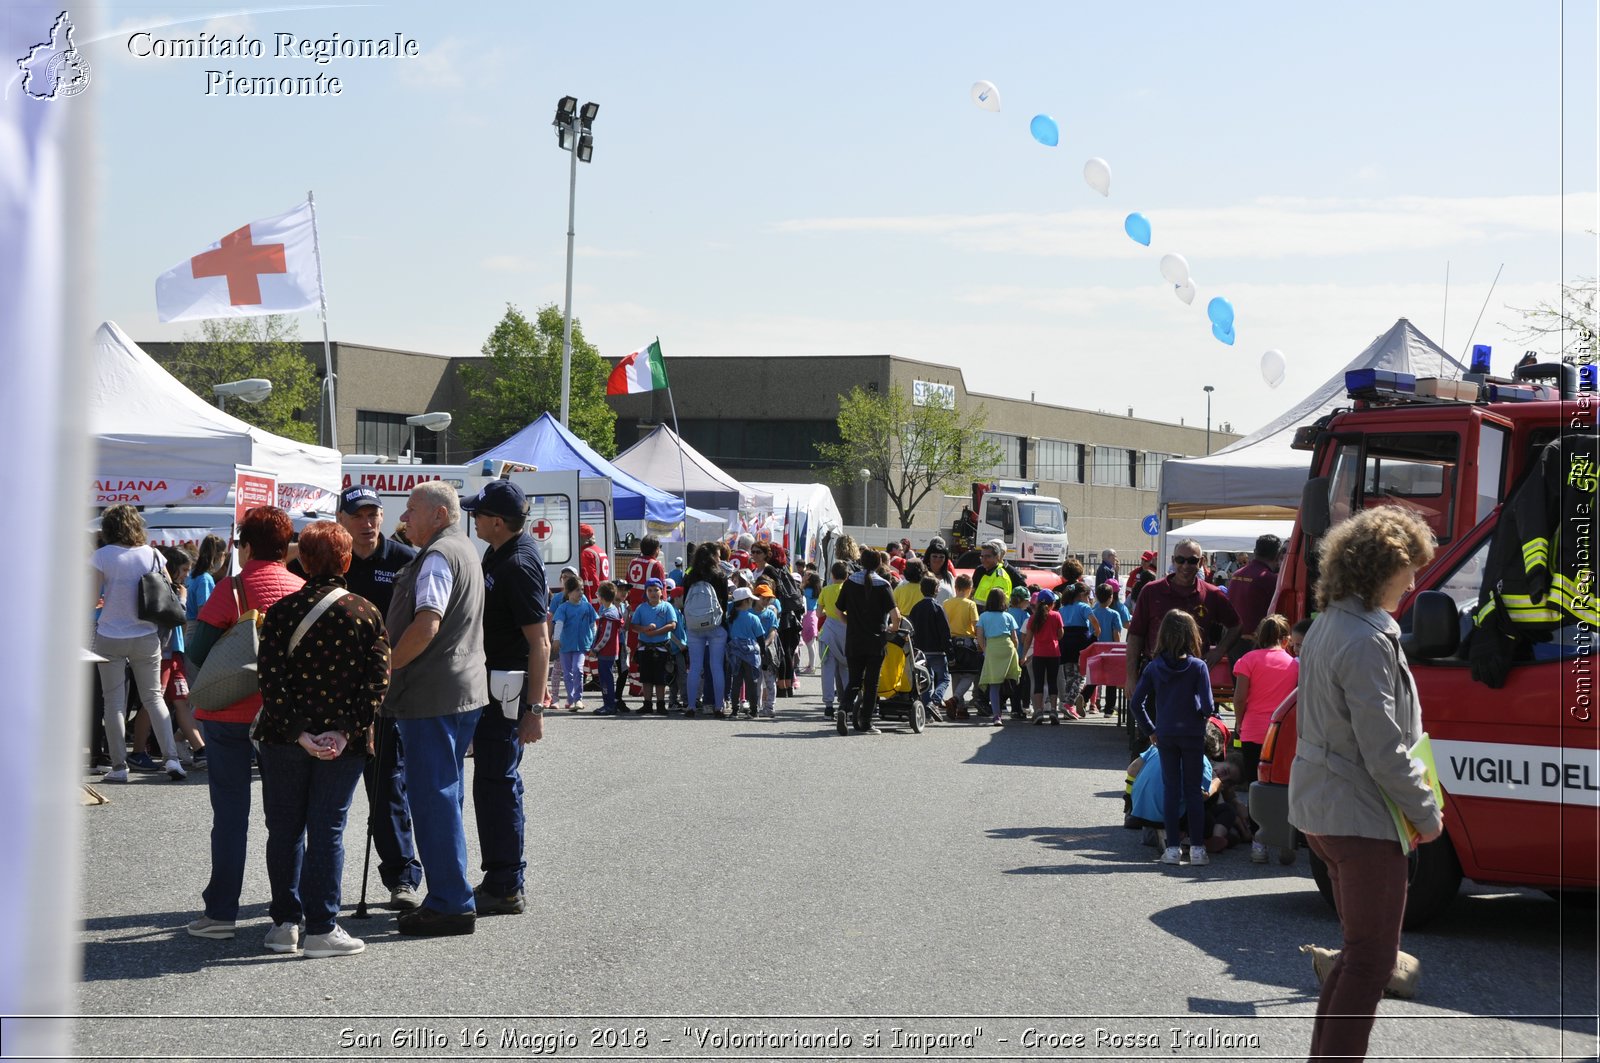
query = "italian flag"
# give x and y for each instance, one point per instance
(643, 370)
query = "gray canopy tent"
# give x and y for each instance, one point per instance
(1261, 476)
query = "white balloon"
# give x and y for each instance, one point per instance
(1175, 268)
(1185, 291)
(985, 95)
(1098, 173)
(1273, 367)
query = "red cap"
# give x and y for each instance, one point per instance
(586, 531)
(1148, 555)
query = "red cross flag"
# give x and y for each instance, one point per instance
(266, 267)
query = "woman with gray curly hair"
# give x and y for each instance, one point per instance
(1358, 718)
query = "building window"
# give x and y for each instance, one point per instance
(388, 433)
(1113, 467)
(1010, 454)
(1150, 477)
(1059, 462)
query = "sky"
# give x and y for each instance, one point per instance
(815, 179)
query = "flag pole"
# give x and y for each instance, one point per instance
(327, 348)
(683, 478)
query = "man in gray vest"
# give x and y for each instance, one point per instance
(437, 689)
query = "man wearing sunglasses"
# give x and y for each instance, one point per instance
(1183, 589)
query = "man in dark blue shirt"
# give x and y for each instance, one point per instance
(515, 639)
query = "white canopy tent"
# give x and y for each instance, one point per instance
(1260, 477)
(156, 443)
(1219, 535)
(664, 461)
(804, 517)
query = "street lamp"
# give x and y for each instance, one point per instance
(433, 422)
(572, 134)
(252, 391)
(1208, 389)
(866, 480)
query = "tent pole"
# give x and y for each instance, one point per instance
(683, 477)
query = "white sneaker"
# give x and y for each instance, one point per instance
(1258, 853)
(1198, 857)
(115, 775)
(211, 929)
(334, 943)
(1173, 855)
(175, 770)
(283, 938)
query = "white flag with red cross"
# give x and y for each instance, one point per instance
(266, 267)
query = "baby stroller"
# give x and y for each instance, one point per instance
(903, 682)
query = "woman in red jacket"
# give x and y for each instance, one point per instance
(263, 542)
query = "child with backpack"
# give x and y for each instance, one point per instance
(576, 620)
(706, 591)
(607, 642)
(1178, 682)
(745, 632)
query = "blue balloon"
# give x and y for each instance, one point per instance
(1220, 311)
(1045, 130)
(1137, 226)
(1223, 334)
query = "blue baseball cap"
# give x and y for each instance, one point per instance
(1044, 597)
(499, 498)
(654, 582)
(357, 496)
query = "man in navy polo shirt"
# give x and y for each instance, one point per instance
(515, 639)
(374, 559)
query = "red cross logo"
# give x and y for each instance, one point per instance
(241, 262)
(541, 529)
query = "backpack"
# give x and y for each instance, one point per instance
(701, 609)
(792, 607)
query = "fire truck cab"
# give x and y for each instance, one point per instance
(1519, 765)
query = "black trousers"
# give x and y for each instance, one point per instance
(864, 663)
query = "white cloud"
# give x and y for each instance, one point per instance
(440, 66)
(1265, 228)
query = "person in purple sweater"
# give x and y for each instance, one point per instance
(1180, 684)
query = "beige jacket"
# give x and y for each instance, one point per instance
(1357, 716)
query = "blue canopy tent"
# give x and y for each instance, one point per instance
(546, 444)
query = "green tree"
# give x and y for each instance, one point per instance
(910, 450)
(520, 378)
(238, 348)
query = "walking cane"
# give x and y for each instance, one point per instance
(366, 861)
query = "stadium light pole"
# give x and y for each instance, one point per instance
(1208, 389)
(572, 125)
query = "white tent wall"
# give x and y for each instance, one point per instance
(805, 514)
(149, 427)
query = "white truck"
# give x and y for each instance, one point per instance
(1033, 526)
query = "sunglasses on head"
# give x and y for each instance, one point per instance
(1185, 560)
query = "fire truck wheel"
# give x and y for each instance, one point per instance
(1435, 881)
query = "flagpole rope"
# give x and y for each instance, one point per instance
(327, 347)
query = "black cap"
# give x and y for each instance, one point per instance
(354, 497)
(499, 498)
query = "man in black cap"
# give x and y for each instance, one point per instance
(515, 638)
(374, 559)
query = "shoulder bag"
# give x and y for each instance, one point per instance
(229, 672)
(158, 602)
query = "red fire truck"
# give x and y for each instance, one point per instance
(1520, 765)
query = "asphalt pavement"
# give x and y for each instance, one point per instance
(768, 889)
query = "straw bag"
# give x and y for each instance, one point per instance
(229, 672)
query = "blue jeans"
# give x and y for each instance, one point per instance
(939, 672)
(608, 682)
(306, 802)
(436, 749)
(228, 756)
(572, 673)
(388, 811)
(716, 640)
(497, 800)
